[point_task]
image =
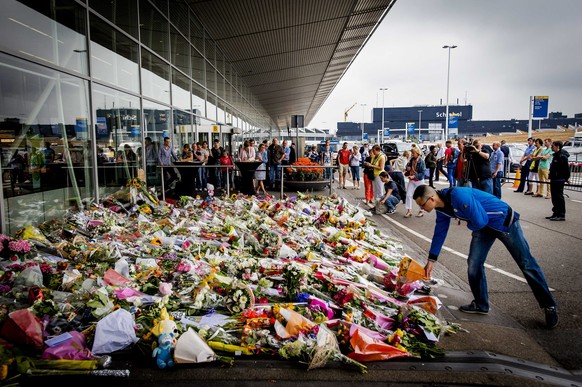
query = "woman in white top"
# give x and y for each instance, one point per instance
(355, 160)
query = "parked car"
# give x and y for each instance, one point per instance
(394, 149)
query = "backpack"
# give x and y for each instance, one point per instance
(455, 156)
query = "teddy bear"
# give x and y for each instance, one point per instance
(164, 352)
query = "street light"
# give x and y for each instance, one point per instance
(419, 122)
(383, 90)
(362, 124)
(448, 76)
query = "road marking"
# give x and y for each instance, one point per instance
(455, 252)
(577, 201)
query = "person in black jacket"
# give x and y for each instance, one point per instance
(478, 167)
(559, 176)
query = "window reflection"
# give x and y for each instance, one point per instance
(47, 155)
(155, 77)
(45, 32)
(157, 126)
(118, 137)
(180, 90)
(154, 29)
(114, 57)
(122, 13)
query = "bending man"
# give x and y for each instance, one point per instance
(489, 218)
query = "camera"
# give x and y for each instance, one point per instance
(471, 149)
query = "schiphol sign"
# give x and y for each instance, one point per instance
(444, 114)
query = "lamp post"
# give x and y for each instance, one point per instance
(419, 122)
(448, 77)
(362, 124)
(383, 90)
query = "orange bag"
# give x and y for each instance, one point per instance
(369, 349)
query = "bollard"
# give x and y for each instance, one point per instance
(517, 178)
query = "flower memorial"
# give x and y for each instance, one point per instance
(307, 278)
(300, 170)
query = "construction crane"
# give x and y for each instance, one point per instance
(347, 110)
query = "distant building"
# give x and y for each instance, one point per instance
(432, 123)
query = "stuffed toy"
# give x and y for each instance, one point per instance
(167, 331)
(164, 352)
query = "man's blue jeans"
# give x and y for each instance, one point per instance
(391, 202)
(451, 173)
(497, 185)
(518, 247)
(274, 170)
(485, 185)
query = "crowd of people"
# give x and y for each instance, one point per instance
(544, 171)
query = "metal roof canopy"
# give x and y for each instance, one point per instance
(291, 53)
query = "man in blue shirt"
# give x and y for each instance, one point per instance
(525, 164)
(490, 219)
(496, 160)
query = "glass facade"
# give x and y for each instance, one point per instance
(89, 89)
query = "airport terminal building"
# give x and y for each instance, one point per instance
(401, 122)
(81, 81)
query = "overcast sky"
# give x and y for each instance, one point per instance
(507, 51)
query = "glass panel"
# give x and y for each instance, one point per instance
(155, 77)
(196, 33)
(161, 4)
(183, 130)
(47, 154)
(122, 13)
(157, 126)
(220, 86)
(154, 30)
(220, 111)
(211, 107)
(42, 31)
(118, 137)
(114, 56)
(198, 99)
(179, 17)
(180, 52)
(220, 62)
(210, 78)
(198, 67)
(209, 49)
(180, 90)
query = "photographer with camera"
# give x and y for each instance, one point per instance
(478, 167)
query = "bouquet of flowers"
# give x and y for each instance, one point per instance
(304, 173)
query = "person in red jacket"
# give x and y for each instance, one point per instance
(226, 159)
(343, 160)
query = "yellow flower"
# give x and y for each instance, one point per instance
(156, 241)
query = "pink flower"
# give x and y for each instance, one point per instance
(19, 246)
(182, 267)
(165, 288)
(186, 245)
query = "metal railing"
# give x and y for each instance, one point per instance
(197, 166)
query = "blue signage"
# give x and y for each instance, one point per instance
(410, 127)
(365, 136)
(135, 131)
(540, 107)
(81, 128)
(453, 122)
(101, 126)
(386, 132)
